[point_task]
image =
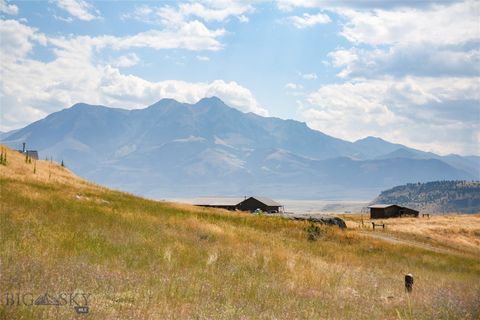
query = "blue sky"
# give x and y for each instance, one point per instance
(406, 71)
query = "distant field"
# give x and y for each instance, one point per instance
(141, 259)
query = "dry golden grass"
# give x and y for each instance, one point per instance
(143, 259)
(458, 231)
(45, 171)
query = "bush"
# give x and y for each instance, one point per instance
(313, 232)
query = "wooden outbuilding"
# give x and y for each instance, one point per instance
(382, 211)
(241, 203)
(259, 203)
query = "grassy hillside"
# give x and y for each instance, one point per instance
(141, 259)
(436, 196)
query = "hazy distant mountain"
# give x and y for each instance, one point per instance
(436, 197)
(374, 147)
(173, 149)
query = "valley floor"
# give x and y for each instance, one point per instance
(139, 259)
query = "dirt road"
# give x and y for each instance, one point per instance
(392, 239)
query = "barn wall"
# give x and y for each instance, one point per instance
(392, 212)
(411, 212)
(252, 204)
(377, 213)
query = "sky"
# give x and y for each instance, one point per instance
(405, 71)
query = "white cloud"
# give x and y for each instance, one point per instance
(294, 89)
(126, 61)
(192, 36)
(293, 86)
(288, 5)
(400, 60)
(6, 8)
(343, 57)
(17, 39)
(429, 113)
(79, 9)
(437, 40)
(308, 20)
(177, 15)
(203, 58)
(217, 11)
(235, 95)
(309, 76)
(31, 89)
(439, 25)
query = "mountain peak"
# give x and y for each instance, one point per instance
(80, 105)
(163, 102)
(213, 100)
(370, 139)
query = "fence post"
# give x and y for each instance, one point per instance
(409, 282)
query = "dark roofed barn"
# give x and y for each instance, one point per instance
(241, 203)
(265, 204)
(379, 211)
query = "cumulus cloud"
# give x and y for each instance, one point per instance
(308, 20)
(433, 114)
(17, 39)
(411, 74)
(203, 58)
(440, 40)
(6, 8)
(35, 88)
(79, 9)
(439, 25)
(130, 91)
(126, 61)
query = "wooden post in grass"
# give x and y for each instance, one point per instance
(409, 283)
(378, 225)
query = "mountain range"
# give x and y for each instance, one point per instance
(172, 149)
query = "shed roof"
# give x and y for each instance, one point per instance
(267, 201)
(219, 201)
(381, 206)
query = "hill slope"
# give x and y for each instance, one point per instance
(136, 258)
(436, 197)
(173, 149)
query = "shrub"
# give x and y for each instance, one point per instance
(313, 232)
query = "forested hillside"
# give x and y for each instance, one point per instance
(436, 196)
